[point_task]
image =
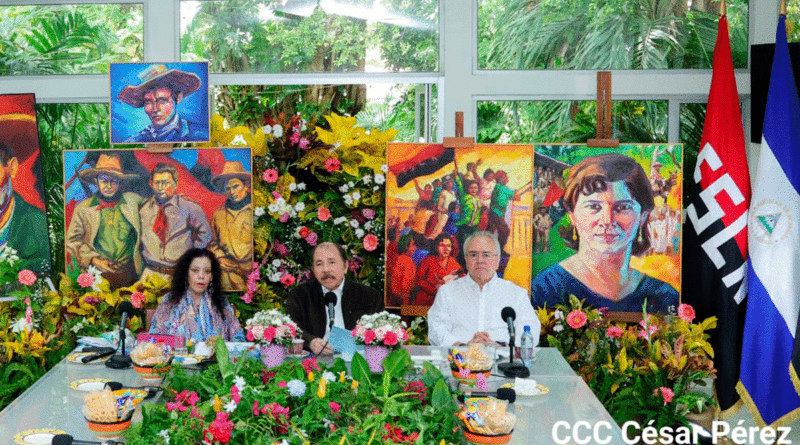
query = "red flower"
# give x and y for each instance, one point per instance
(332, 165)
(269, 334)
(303, 232)
(255, 408)
(235, 394)
(287, 279)
(576, 319)
(138, 299)
(335, 407)
(323, 213)
(369, 336)
(270, 175)
(614, 332)
(310, 364)
(370, 242)
(686, 312)
(219, 429)
(666, 393)
(85, 280)
(390, 339)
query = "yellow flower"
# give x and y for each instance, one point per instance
(322, 386)
(341, 376)
(355, 384)
(310, 376)
(217, 404)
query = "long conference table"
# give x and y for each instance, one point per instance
(51, 402)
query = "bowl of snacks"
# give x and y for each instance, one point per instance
(467, 365)
(486, 421)
(151, 360)
(107, 414)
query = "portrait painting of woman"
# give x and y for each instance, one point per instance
(611, 218)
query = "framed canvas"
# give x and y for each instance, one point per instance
(436, 197)
(607, 226)
(131, 213)
(159, 102)
(22, 204)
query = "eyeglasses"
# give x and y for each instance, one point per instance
(483, 255)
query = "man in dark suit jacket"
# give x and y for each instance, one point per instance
(306, 302)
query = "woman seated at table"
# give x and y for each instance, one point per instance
(609, 199)
(196, 306)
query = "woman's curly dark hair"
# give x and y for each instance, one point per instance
(180, 279)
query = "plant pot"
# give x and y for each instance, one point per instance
(272, 355)
(487, 438)
(705, 418)
(152, 373)
(109, 430)
(375, 355)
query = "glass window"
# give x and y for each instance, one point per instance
(298, 36)
(380, 106)
(620, 34)
(68, 39)
(693, 116)
(524, 122)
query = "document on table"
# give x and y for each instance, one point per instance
(341, 340)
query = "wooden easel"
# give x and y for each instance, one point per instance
(603, 113)
(159, 148)
(459, 141)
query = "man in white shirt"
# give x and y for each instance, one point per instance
(468, 309)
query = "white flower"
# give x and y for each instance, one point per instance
(350, 184)
(368, 225)
(354, 223)
(266, 129)
(280, 201)
(336, 145)
(239, 382)
(559, 315)
(384, 168)
(165, 435)
(380, 179)
(292, 186)
(275, 277)
(356, 196)
(300, 206)
(277, 130)
(329, 376)
(348, 199)
(273, 208)
(558, 328)
(21, 325)
(339, 220)
(276, 262)
(301, 186)
(77, 328)
(367, 179)
(376, 188)
(238, 140)
(230, 407)
(258, 211)
(360, 233)
(343, 188)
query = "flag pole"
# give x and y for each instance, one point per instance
(783, 7)
(723, 8)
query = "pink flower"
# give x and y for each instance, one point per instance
(282, 384)
(295, 137)
(614, 332)
(304, 143)
(323, 214)
(281, 249)
(576, 319)
(255, 408)
(332, 165)
(284, 217)
(666, 393)
(370, 242)
(335, 407)
(27, 277)
(270, 175)
(138, 299)
(249, 335)
(463, 373)
(369, 336)
(686, 312)
(287, 279)
(310, 364)
(236, 395)
(219, 429)
(269, 334)
(650, 330)
(311, 239)
(171, 406)
(368, 213)
(85, 280)
(276, 195)
(390, 339)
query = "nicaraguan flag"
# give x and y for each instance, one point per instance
(774, 271)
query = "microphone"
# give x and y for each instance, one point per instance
(330, 301)
(66, 439)
(507, 394)
(511, 369)
(122, 360)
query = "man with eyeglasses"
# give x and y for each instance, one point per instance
(467, 310)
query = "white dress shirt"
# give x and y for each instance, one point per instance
(462, 308)
(338, 318)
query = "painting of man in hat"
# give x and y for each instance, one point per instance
(174, 98)
(105, 230)
(21, 191)
(232, 226)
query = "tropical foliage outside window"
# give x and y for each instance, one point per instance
(68, 39)
(616, 34)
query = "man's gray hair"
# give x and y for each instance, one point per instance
(484, 234)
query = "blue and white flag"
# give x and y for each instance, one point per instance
(774, 241)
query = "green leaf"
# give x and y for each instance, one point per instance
(442, 397)
(223, 359)
(397, 363)
(360, 369)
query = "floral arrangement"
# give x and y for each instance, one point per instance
(315, 179)
(382, 328)
(301, 403)
(639, 370)
(271, 327)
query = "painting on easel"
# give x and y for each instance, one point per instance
(607, 226)
(436, 197)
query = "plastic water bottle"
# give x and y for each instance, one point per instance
(526, 347)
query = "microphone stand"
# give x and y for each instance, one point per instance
(121, 360)
(512, 369)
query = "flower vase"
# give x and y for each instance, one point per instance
(272, 355)
(375, 355)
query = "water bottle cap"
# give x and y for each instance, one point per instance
(527, 328)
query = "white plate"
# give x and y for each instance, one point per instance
(36, 436)
(89, 384)
(301, 355)
(187, 359)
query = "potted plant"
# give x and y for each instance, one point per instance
(698, 407)
(274, 331)
(379, 333)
